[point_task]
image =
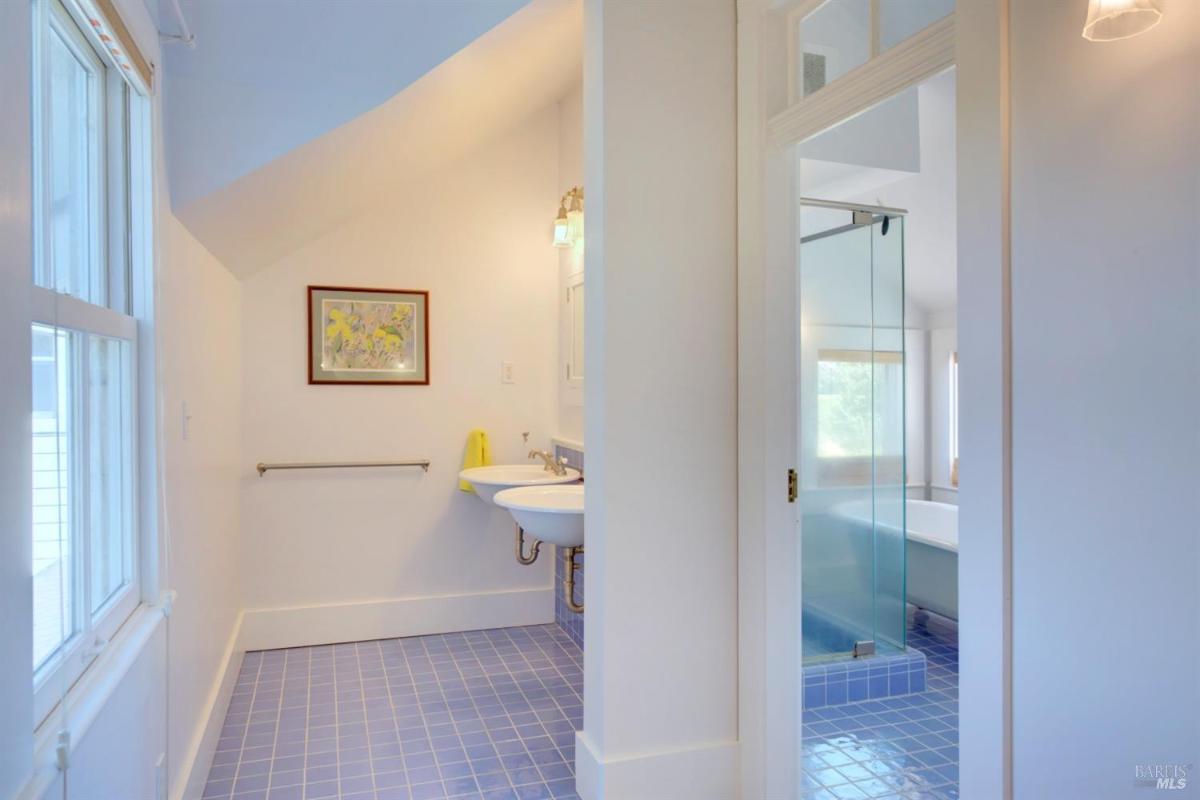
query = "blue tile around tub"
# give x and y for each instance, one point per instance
(485, 714)
(893, 746)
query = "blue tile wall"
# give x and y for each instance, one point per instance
(570, 622)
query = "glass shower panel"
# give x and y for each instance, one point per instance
(887, 347)
(837, 548)
(851, 434)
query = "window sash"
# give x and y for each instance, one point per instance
(119, 218)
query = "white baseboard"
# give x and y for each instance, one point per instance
(707, 772)
(273, 628)
(203, 745)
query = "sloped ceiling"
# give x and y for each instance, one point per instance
(269, 75)
(525, 63)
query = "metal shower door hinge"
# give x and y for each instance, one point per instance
(791, 485)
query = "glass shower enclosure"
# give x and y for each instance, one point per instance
(851, 430)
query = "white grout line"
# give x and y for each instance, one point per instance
(249, 721)
(278, 717)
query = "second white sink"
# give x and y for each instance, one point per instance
(552, 514)
(489, 480)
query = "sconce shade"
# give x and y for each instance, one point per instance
(562, 228)
(1109, 20)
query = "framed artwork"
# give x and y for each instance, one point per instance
(364, 336)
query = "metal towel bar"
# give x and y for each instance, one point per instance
(262, 468)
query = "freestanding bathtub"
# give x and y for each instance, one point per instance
(932, 557)
(931, 580)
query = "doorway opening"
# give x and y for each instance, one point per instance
(876, 406)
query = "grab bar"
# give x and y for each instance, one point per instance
(262, 468)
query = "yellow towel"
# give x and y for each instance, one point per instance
(478, 454)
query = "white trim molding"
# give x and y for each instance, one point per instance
(203, 745)
(706, 772)
(985, 397)
(301, 626)
(914, 60)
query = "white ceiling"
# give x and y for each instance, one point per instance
(927, 189)
(269, 75)
(524, 64)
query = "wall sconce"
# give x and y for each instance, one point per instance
(568, 225)
(1109, 20)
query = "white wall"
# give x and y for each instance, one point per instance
(660, 688)
(200, 313)
(477, 236)
(117, 755)
(570, 260)
(1105, 283)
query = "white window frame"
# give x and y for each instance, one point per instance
(122, 213)
(952, 417)
(885, 74)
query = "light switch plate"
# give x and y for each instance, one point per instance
(507, 372)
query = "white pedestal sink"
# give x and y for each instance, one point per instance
(489, 480)
(552, 514)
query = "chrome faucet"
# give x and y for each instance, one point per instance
(558, 467)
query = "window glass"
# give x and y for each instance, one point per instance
(74, 124)
(110, 456)
(54, 487)
(834, 39)
(847, 421)
(900, 19)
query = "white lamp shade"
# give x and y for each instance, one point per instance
(562, 232)
(1109, 20)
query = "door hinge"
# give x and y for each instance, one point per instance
(791, 485)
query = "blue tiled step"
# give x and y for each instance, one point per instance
(871, 678)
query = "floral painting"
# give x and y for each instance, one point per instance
(367, 335)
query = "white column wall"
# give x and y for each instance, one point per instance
(660, 699)
(1105, 381)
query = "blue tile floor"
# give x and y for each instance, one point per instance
(898, 747)
(485, 714)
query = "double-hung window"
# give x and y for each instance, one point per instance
(89, 167)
